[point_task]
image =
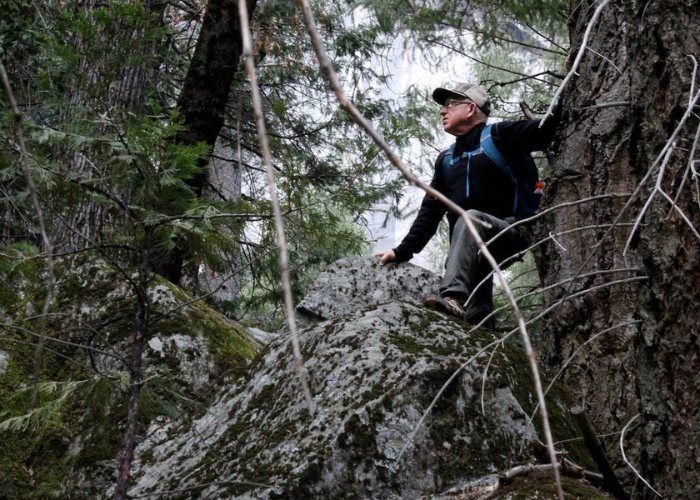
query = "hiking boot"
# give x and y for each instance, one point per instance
(448, 305)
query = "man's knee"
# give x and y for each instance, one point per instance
(477, 217)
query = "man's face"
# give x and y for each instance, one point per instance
(458, 116)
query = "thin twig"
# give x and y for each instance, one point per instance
(559, 206)
(657, 187)
(624, 457)
(689, 168)
(580, 348)
(696, 178)
(608, 60)
(524, 76)
(485, 376)
(279, 226)
(692, 80)
(59, 354)
(695, 142)
(680, 212)
(606, 105)
(42, 229)
(583, 292)
(113, 354)
(576, 62)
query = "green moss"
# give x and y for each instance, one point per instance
(360, 441)
(541, 486)
(514, 370)
(406, 344)
(38, 463)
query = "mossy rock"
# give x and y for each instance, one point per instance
(373, 373)
(191, 350)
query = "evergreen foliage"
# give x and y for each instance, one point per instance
(98, 84)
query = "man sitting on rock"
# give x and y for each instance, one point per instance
(475, 182)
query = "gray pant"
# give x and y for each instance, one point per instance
(466, 268)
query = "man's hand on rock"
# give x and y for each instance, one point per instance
(385, 256)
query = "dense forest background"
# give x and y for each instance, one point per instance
(129, 135)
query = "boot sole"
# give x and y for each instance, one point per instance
(437, 303)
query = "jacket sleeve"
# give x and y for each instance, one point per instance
(427, 221)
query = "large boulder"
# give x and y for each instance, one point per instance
(353, 283)
(375, 361)
(407, 403)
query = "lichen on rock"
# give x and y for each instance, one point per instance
(375, 360)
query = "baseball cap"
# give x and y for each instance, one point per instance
(462, 90)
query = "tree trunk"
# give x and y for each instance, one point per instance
(203, 99)
(633, 89)
(136, 367)
(84, 224)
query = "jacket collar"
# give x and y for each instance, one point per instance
(469, 141)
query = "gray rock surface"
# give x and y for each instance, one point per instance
(352, 283)
(374, 366)
(4, 359)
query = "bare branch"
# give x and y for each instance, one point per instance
(485, 376)
(279, 226)
(650, 199)
(42, 229)
(624, 457)
(691, 161)
(576, 62)
(602, 105)
(659, 189)
(580, 348)
(603, 57)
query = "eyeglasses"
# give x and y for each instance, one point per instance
(452, 102)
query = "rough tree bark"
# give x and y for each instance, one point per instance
(633, 89)
(80, 225)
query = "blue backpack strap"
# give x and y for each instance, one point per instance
(488, 147)
(527, 198)
(447, 160)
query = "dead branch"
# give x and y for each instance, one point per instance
(624, 457)
(595, 448)
(48, 247)
(279, 226)
(567, 468)
(576, 62)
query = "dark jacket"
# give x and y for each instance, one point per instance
(490, 188)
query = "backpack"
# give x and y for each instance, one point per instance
(528, 188)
